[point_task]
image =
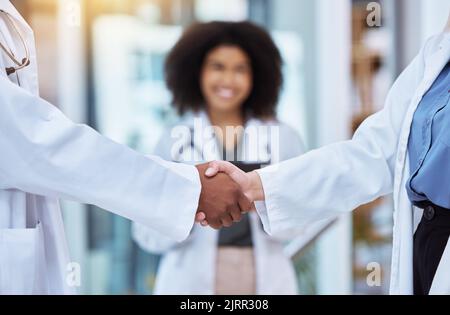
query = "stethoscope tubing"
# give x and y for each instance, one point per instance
(25, 61)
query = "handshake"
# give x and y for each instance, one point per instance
(227, 193)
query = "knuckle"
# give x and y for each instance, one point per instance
(215, 225)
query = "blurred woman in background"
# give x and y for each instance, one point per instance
(225, 74)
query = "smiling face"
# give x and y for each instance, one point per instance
(226, 78)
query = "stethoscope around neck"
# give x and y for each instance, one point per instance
(18, 64)
(193, 146)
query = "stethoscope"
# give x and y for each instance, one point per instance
(193, 146)
(18, 64)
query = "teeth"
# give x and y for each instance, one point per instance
(225, 93)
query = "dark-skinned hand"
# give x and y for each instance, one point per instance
(221, 199)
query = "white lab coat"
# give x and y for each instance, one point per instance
(342, 176)
(189, 267)
(44, 156)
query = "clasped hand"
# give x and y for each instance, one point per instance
(227, 193)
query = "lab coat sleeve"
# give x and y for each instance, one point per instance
(338, 178)
(291, 146)
(151, 240)
(147, 238)
(44, 153)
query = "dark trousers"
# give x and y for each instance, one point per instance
(430, 241)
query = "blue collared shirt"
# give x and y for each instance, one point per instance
(429, 145)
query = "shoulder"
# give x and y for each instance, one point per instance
(435, 42)
(182, 124)
(171, 133)
(286, 131)
(409, 79)
(176, 135)
(289, 144)
(432, 45)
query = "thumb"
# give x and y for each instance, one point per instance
(212, 170)
(231, 170)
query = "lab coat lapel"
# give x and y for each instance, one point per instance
(437, 61)
(257, 150)
(202, 140)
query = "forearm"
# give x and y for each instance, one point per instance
(256, 190)
(46, 154)
(338, 178)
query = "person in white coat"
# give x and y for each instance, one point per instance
(189, 267)
(242, 259)
(403, 149)
(44, 156)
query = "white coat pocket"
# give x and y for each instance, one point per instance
(19, 260)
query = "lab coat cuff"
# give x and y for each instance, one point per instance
(261, 209)
(270, 210)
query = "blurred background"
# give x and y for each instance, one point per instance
(101, 62)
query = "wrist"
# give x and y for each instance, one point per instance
(256, 190)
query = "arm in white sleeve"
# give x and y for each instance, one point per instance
(291, 146)
(44, 153)
(147, 238)
(338, 178)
